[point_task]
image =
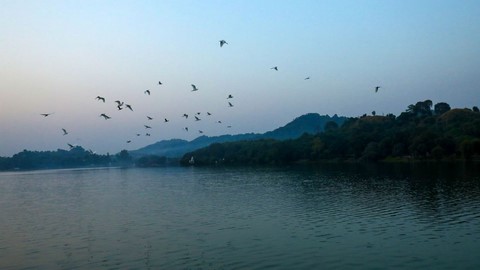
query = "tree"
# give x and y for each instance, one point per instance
(475, 109)
(441, 108)
(330, 126)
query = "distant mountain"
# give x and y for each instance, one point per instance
(311, 123)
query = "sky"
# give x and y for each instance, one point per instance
(57, 56)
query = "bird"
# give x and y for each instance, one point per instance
(159, 83)
(138, 134)
(222, 42)
(105, 116)
(219, 121)
(197, 119)
(147, 92)
(120, 103)
(185, 115)
(230, 104)
(147, 126)
(149, 118)
(307, 78)
(147, 134)
(198, 113)
(200, 131)
(100, 98)
(166, 120)
(209, 113)
(71, 146)
(229, 126)
(229, 96)
(45, 114)
(186, 128)
(275, 67)
(128, 106)
(376, 88)
(119, 108)
(64, 131)
(194, 87)
(129, 141)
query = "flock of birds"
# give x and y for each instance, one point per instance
(120, 105)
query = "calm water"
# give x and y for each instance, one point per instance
(335, 216)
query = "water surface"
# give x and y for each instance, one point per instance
(331, 216)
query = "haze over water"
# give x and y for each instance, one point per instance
(335, 216)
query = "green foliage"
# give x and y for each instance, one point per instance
(418, 133)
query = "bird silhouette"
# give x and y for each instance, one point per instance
(185, 115)
(166, 120)
(147, 134)
(147, 92)
(64, 131)
(275, 67)
(219, 121)
(129, 141)
(197, 119)
(100, 98)
(45, 114)
(149, 118)
(105, 116)
(230, 104)
(71, 146)
(120, 103)
(209, 113)
(119, 108)
(147, 126)
(198, 113)
(159, 83)
(194, 87)
(229, 126)
(138, 134)
(186, 128)
(307, 78)
(376, 88)
(222, 42)
(200, 131)
(229, 96)
(128, 106)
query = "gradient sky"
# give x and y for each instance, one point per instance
(57, 56)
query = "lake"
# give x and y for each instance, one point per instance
(331, 216)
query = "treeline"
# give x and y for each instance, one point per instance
(423, 132)
(75, 157)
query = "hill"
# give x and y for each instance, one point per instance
(419, 133)
(311, 123)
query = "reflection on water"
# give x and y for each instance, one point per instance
(329, 216)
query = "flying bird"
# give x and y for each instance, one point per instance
(194, 88)
(129, 141)
(222, 42)
(100, 98)
(166, 120)
(200, 131)
(147, 92)
(128, 106)
(120, 103)
(159, 83)
(198, 113)
(197, 119)
(229, 96)
(119, 108)
(307, 78)
(186, 128)
(209, 113)
(45, 114)
(147, 134)
(229, 126)
(71, 146)
(230, 104)
(147, 126)
(149, 118)
(219, 122)
(376, 89)
(185, 115)
(275, 67)
(138, 134)
(105, 116)
(64, 131)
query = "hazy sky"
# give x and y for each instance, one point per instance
(57, 56)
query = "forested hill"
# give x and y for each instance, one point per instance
(311, 123)
(422, 132)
